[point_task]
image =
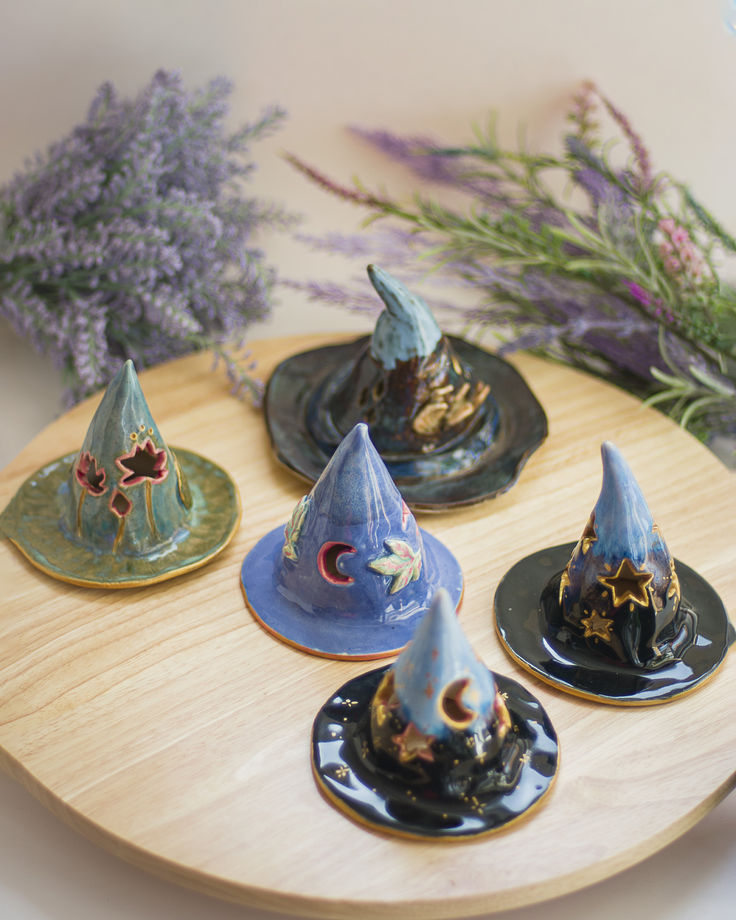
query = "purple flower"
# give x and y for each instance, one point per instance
(129, 238)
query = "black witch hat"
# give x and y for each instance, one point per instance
(614, 617)
(453, 423)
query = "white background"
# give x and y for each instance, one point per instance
(413, 66)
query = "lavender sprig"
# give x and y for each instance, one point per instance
(131, 237)
(618, 275)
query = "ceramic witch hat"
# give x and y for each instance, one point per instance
(453, 423)
(352, 573)
(126, 510)
(435, 745)
(614, 617)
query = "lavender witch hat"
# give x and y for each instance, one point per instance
(352, 573)
(453, 423)
(126, 509)
(436, 745)
(616, 617)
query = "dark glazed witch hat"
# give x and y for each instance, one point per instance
(126, 510)
(614, 617)
(453, 423)
(436, 745)
(352, 573)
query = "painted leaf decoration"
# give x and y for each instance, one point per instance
(294, 528)
(402, 564)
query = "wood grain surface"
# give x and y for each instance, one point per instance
(164, 724)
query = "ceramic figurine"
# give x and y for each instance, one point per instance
(453, 423)
(352, 573)
(614, 617)
(126, 510)
(435, 745)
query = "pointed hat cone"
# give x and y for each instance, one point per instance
(623, 522)
(441, 684)
(621, 555)
(352, 573)
(406, 329)
(125, 491)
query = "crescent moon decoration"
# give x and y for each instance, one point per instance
(327, 559)
(453, 709)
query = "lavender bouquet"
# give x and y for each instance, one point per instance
(130, 237)
(617, 273)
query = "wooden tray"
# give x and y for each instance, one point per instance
(167, 726)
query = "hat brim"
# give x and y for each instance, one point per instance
(553, 656)
(31, 522)
(522, 427)
(343, 768)
(333, 633)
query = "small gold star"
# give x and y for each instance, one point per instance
(341, 772)
(525, 757)
(412, 744)
(597, 625)
(628, 584)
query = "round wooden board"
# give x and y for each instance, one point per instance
(164, 724)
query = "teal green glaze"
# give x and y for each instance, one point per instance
(438, 677)
(109, 505)
(406, 329)
(125, 510)
(31, 521)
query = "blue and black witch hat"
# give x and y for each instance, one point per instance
(620, 619)
(352, 573)
(435, 745)
(453, 423)
(126, 509)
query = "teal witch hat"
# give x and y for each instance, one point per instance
(435, 745)
(127, 509)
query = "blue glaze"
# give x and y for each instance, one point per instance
(406, 329)
(144, 522)
(352, 573)
(440, 657)
(620, 591)
(623, 522)
(624, 529)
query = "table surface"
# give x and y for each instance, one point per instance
(644, 798)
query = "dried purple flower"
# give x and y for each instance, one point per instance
(130, 237)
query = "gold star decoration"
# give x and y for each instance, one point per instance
(628, 584)
(597, 625)
(412, 744)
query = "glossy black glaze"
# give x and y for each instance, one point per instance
(477, 463)
(454, 797)
(531, 626)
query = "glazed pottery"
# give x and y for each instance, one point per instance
(435, 746)
(453, 423)
(126, 510)
(613, 617)
(352, 573)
